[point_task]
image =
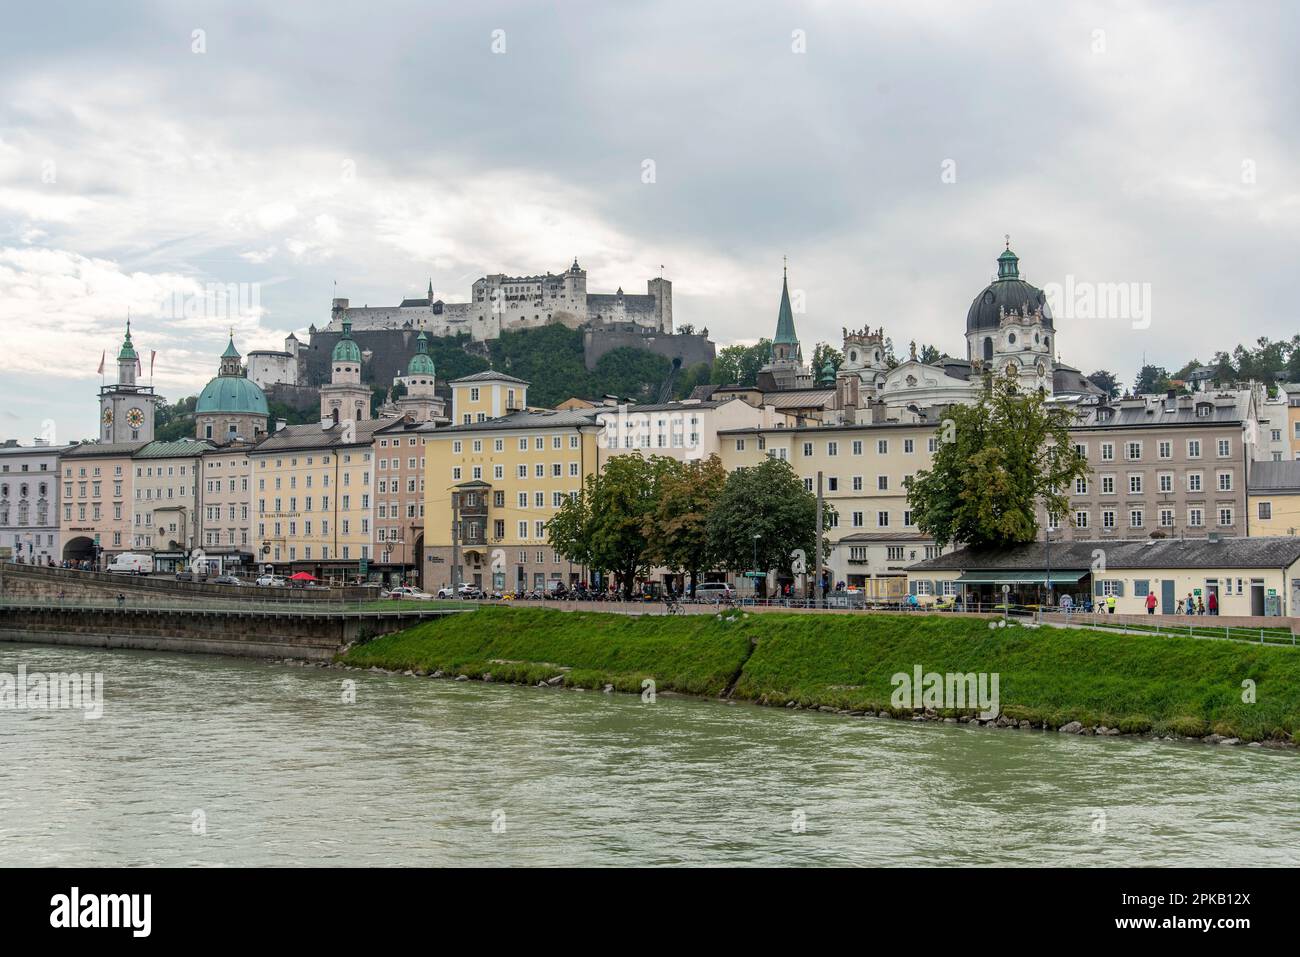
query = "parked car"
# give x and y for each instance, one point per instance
(267, 581)
(407, 592)
(228, 580)
(131, 563)
(467, 590)
(714, 592)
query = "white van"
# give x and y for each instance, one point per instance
(714, 592)
(131, 563)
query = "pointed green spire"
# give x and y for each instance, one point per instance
(128, 350)
(785, 334)
(231, 352)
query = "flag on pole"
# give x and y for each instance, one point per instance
(102, 356)
(139, 371)
(153, 354)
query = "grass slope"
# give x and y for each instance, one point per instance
(1136, 683)
(691, 654)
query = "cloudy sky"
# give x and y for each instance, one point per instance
(150, 149)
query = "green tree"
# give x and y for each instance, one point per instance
(1107, 382)
(678, 529)
(604, 526)
(823, 353)
(768, 501)
(1151, 380)
(739, 365)
(699, 374)
(634, 373)
(929, 354)
(997, 461)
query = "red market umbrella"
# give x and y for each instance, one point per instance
(302, 577)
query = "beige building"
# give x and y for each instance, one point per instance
(864, 467)
(96, 502)
(1247, 576)
(226, 508)
(313, 498)
(1274, 498)
(164, 495)
(486, 395)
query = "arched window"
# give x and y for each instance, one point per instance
(988, 348)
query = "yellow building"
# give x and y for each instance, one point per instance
(1273, 505)
(506, 477)
(486, 395)
(313, 498)
(873, 538)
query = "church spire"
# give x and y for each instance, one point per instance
(1008, 263)
(785, 334)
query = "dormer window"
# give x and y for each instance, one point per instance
(1203, 410)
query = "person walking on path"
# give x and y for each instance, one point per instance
(1151, 603)
(1110, 604)
(1214, 603)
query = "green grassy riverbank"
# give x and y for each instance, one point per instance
(1048, 676)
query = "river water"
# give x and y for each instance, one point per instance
(219, 761)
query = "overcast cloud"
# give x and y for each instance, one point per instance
(382, 145)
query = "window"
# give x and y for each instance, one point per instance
(1135, 484)
(1080, 519)
(1225, 448)
(1195, 517)
(456, 447)
(857, 483)
(832, 448)
(1135, 518)
(1107, 485)
(807, 448)
(1225, 516)
(1193, 481)
(1166, 518)
(740, 445)
(1133, 451)
(523, 529)
(1166, 481)
(882, 519)
(857, 519)
(1265, 510)
(832, 484)
(523, 499)
(894, 553)
(1166, 449)
(857, 446)
(1108, 519)
(909, 446)
(882, 483)
(1110, 586)
(1108, 451)
(1225, 481)
(882, 446)
(1193, 448)
(1081, 485)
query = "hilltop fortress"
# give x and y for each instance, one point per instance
(500, 303)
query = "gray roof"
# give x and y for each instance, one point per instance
(1225, 408)
(312, 436)
(487, 375)
(678, 406)
(1274, 477)
(1144, 553)
(544, 419)
(97, 449)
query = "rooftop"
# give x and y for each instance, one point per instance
(532, 419)
(487, 375)
(314, 436)
(1143, 553)
(102, 449)
(1274, 477)
(181, 448)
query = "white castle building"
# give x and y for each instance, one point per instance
(501, 303)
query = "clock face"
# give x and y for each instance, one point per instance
(108, 416)
(135, 418)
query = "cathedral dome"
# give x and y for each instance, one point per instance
(346, 350)
(1008, 292)
(231, 394)
(421, 364)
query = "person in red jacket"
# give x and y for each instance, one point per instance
(1214, 603)
(1151, 603)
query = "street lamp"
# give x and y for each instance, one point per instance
(757, 536)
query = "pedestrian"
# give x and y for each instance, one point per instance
(1191, 604)
(1200, 605)
(1151, 603)
(1214, 603)
(1110, 604)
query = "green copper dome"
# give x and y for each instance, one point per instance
(231, 393)
(231, 352)
(421, 363)
(347, 349)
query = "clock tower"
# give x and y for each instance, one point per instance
(126, 410)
